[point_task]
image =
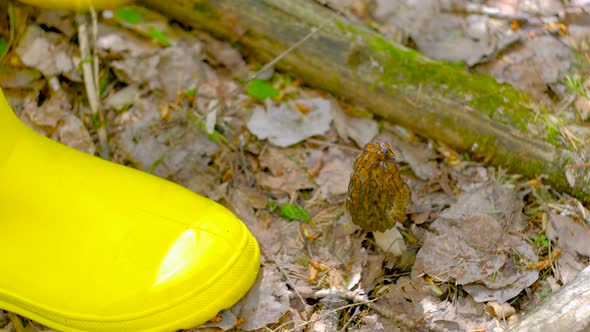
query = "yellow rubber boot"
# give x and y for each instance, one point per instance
(90, 245)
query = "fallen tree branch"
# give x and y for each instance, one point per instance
(566, 310)
(470, 112)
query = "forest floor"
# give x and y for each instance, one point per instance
(479, 246)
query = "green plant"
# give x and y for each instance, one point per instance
(541, 241)
(271, 205)
(575, 84)
(294, 212)
(129, 14)
(159, 36)
(261, 90)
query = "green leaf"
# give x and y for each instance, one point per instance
(575, 83)
(260, 90)
(293, 212)
(95, 119)
(129, 14)
(105, 80)
(541, 241)
(160, 36)
(271, 205)
(191, 92)
(3, 46)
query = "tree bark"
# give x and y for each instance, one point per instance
(469, 112)
(567, 310)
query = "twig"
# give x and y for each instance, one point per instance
(16, 322)
(291, 283)
(321, 316)
(90, 74)
(472, 8)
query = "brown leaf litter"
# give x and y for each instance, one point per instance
(473, 231)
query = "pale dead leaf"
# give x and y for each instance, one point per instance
(467, 306)
(459, 252)
(502, 311)
(213, 89)
(138, 70)
(532, 65)
(218, 52)
(286, 171)
(571, 236)
(266, 302)
(179, 68)
(61, 20)
(456, 38)
(443, 316)
(284, 126)
(568, 267)
(491, 199)
(373, 269)
(360, 130)
(72, 132)
(334, 175)
(25, 78)
(485, 265)
(444, 36)
(227, 321)
(122, 42)
(355, 268)
(275, 236)
(47, 116)
(416, 154)
(35, 46)
(508, 283)
(121, 99)
(472, 177)
(391, 242)
(176, 149)
(404, 295)
(203, 183)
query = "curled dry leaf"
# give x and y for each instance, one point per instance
(418, 155)
(36, 44)
(503, 310)
(391, 241)
(377, 195)
(265, 303)
(571, 236)
(72, 132)
(122, 42)
(285, 172)
(334, 174)
(283, 126)
(175, 149)
(360, 130)
(448, 316)
(473, 245)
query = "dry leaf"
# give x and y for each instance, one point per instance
(72, 132)
(360, 130)
(571, 236)
(36, 44)
(283, 126)
(266, 302)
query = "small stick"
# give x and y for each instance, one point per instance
(90, 74)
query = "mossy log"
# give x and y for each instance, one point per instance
(567, 310)
(469, 112)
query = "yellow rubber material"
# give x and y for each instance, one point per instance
(77, 5)
(90, 245)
